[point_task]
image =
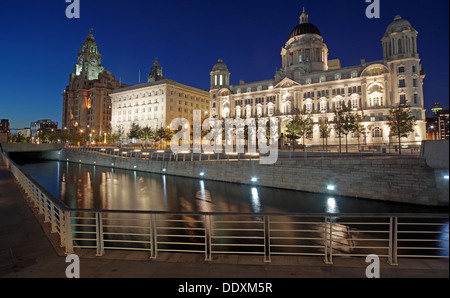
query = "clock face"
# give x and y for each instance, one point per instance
(81, 60)
(93, 61)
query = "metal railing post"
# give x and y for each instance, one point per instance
(99, 234)
(208, 232)
(68, 233)
(394, 234)
(52, 217)
(153, 237)
(330, 257)
(267, 258)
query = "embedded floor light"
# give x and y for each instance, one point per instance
(163, 170)
(135, 167)
(202, 174)
(331, 187)
(254, 179)
(446, 177)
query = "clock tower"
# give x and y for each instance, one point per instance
(86, 100)
(89, 59)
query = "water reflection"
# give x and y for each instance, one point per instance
(83, 186)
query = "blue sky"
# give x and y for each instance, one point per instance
(39, 44)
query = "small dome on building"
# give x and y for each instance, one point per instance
(398, 25)
(220, 66)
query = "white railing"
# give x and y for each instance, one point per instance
(327, 235)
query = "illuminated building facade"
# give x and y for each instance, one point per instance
(313, 84)
(86, 100)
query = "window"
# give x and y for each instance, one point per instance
(414, 69)
(322, 79)
(401, 69)
(402, 83)
(309, 107)
(403, 99)
(416, 98)
(337, 76)
(323, 106)
(415, 83)
(354, 74)
(270, 110)
(377, 133)
(355, 103)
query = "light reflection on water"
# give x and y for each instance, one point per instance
(84, 186)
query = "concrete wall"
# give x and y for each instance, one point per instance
(27, 147)
(405, 180)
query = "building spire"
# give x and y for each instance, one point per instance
(304, 17)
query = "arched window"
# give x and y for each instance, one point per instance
(322, 79)
(323, 106)
(377, 132)
(259, 111)
(226, 112)
(248, 111)
(270, 110)
(238, 112)
(309, 107)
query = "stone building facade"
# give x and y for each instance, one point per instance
(156, 104)
(311, 83)
(86, 100)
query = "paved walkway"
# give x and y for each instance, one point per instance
(29, 250)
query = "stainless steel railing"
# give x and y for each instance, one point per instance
(392, 236)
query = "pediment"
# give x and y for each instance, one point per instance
(286, 83)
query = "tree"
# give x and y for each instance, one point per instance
(344, 121)
(147, 134)
(325, 132)
(401, 123)
(359, 129)
(300, 126)
(135, 132)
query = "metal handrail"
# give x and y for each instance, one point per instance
(208, 232)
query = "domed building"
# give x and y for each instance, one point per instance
(310, 82)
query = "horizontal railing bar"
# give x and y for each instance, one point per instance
(236, 252)
(236, 244)
(127, 248)
(421, 240)
(421, 232)
(422, 256)
(181, 243)
(293, 245)
(295, 238)
(129, 227)
(127, 234)
(179, 250)
(125, 241)
(180, 228)
(188, 236)
(237, 237)
(354, 246)
(418, 247)
(296, 253)
(245, 230)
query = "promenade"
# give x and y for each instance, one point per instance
(29, 250)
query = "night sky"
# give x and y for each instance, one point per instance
(39, 44)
